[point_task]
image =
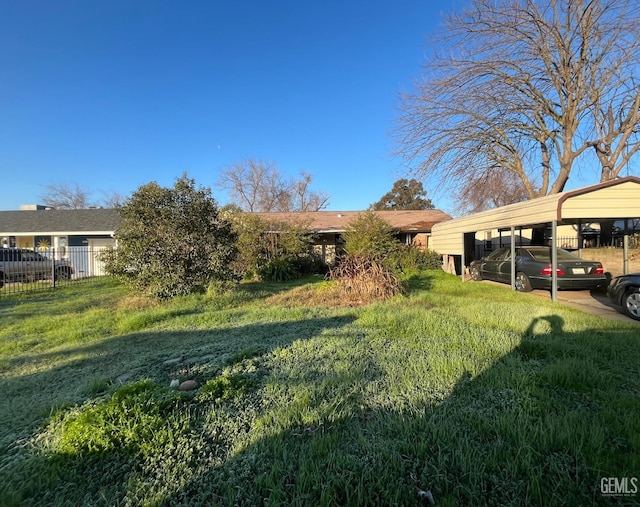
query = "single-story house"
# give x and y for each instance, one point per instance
(412, 226)
(37, 227)
(77, 235)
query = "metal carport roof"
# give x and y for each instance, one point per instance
(616, 199)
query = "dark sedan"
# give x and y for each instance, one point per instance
(533, 269)
(624, 291)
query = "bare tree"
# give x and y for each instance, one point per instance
(66, 196)
(74, 196)
(255, 185)
(617, 125)
(492, 189)
(303, 198)
(523, 86)
(112, 199)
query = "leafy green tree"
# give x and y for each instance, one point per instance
(249, 229)
(264, 244)
(289, 238)
(288, 248)
(172, 241)
(405, 195)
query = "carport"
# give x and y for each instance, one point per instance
(617, 200)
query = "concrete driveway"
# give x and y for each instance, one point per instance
(594, 302)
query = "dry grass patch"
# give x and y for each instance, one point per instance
(327, 294)
(137, 303)
(365, 278)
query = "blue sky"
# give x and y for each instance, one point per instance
(115, 94)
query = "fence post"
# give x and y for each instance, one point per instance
(53, 267)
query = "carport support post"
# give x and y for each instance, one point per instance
(513, 258)
(554, 260)
(625, 253)
(462, 262)
(580, 238)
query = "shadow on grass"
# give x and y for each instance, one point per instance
(419, 281)
(540, 426)
(8, 304)
(199, 354)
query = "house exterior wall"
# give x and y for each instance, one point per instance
(55, 241)
(326, 252)
(25, 242)
(328, 245)
(421, 240)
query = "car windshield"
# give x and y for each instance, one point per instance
(544, 255)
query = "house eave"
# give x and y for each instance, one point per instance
(57, 233)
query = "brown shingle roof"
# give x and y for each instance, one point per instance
(337, 221)
(106, 220)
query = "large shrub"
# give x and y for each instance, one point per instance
(273, 251)
(172, 241)
(249, 229)
(410, 259)
(370, 235)
(366, 270)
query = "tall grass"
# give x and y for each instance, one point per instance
(365, 278)
(474, 393)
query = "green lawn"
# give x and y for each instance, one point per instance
(474, 393)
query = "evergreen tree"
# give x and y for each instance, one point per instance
(172, 241)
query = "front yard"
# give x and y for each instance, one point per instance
(468, 393)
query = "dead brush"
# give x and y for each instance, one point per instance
(366, 278)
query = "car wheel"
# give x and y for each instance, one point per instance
(522, 283)
(1, 279)
(63, 274)
(631, 303)
(475, 273)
